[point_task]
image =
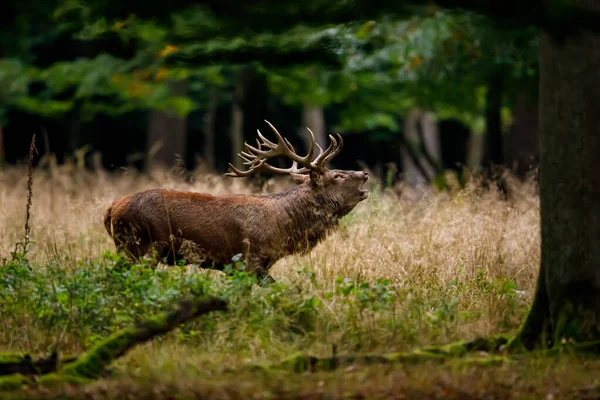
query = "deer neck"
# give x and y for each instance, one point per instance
(311, 216)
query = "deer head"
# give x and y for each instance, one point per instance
(340, 186)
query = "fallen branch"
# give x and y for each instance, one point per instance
(18, 363)
(439, 354)
(24, 364)
(92, 364)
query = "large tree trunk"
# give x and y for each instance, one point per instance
(167, 135)
(567, 299)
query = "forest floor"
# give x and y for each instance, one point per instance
(401, 274)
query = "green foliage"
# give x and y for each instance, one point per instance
(378, 69)
(83, 301)
(183, 47)
(101, 84)
(442, 63)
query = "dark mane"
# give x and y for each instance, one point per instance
(312, 216)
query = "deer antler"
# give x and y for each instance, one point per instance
(256, 157)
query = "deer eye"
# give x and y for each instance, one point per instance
(337, 176)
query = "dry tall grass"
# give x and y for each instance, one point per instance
(441, 254)
(387, 236)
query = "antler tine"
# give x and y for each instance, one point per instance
(258, 151)
(262, 166)
(256, 157)
(332, 150)
(247, 155)
(311, 149)
(290, 145)
(313, 142)
(336, 151)
(248, 159)
(318, 162)
(266, 141)
(287, 149)
(236, 173)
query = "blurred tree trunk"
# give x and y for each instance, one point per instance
(429, 140)
(567, 298)
(166, 135)
(1, 146)
(237, 120)
(494, 144)
(74, 140)
(523, 138)
(413, 169)
(421, 150)
(476, 150)
(314, 118)
(209, 129)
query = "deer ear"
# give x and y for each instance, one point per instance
(316, 178)
(298, 178)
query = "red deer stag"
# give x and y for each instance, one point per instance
(262, 228)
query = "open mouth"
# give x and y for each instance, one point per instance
(364, 193)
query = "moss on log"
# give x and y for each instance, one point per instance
(465, 350)
(92, 364)
(457, 349)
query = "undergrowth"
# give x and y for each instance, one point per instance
(400, 274)
(72, 303)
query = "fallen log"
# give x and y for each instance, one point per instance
(93, 363)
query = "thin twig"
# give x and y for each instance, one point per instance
(29, 193)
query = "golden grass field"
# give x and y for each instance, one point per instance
(387, 236)
(460, 265)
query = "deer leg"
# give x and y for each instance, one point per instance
(266, 281)
(167, 253)
(130, 242)
(211, 264)
(260, 267)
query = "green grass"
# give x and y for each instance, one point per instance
(400, 275)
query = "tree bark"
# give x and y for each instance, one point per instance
(167, 135)
(567, 299)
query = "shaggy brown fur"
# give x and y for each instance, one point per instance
(262, 228)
